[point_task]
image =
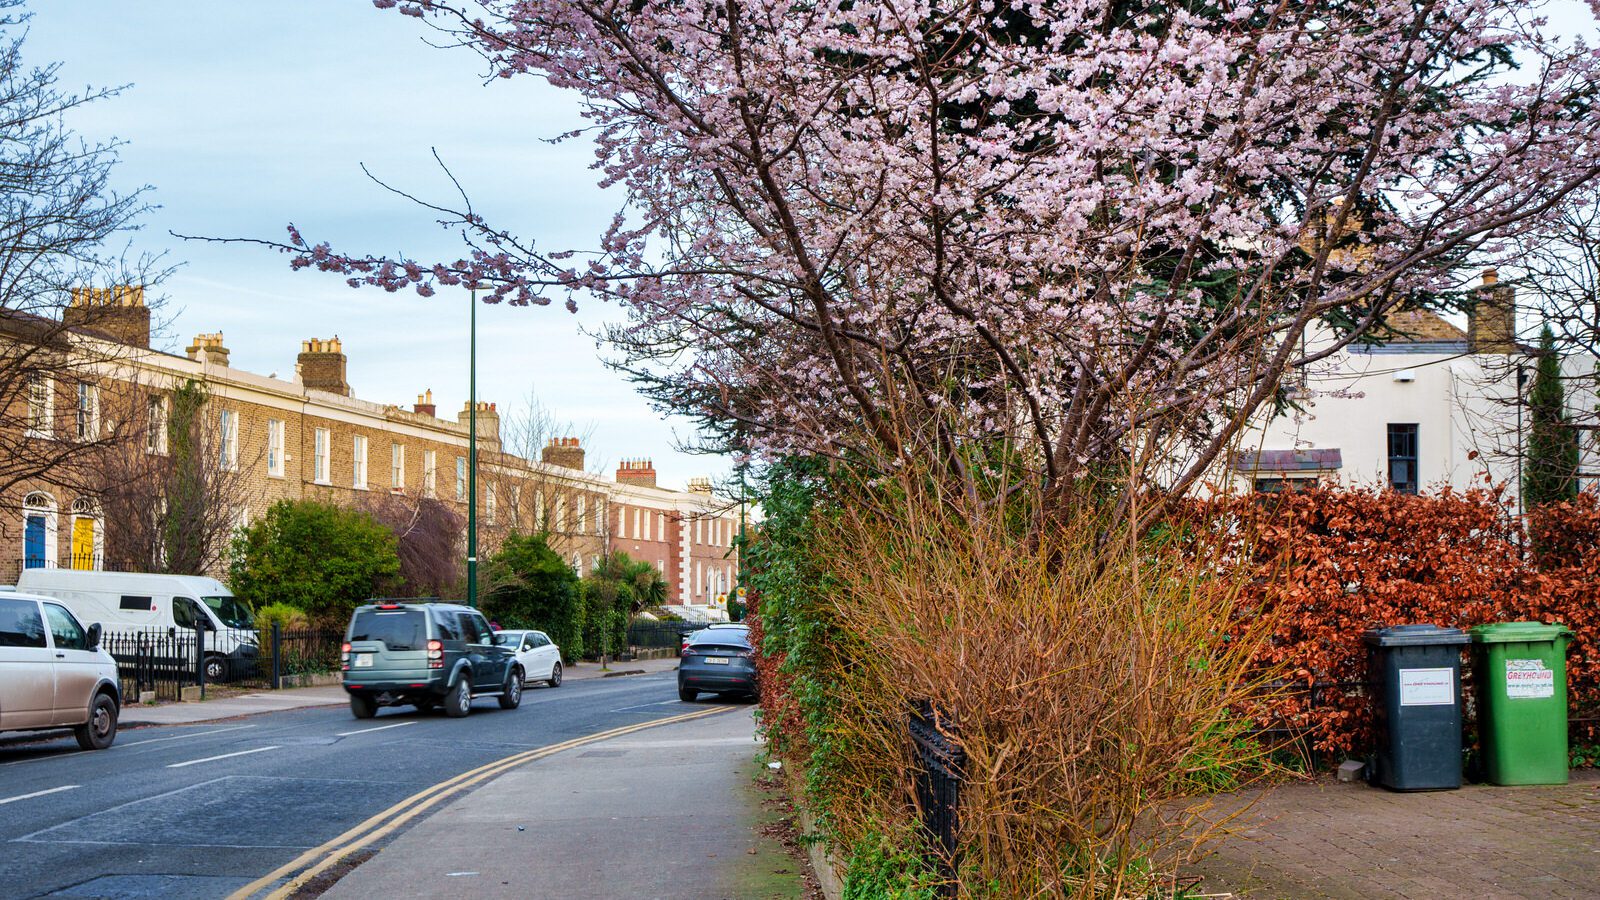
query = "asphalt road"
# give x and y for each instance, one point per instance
(200, 810)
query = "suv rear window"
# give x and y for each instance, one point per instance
(733, 636)
(398, 629)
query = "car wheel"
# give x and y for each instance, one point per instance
(362, 706)
(216, 669)
(101, 729)
(458, 702)
(687, 695)
(511, 696)
(555, 675)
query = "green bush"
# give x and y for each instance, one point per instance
(316, 557)
(529, 586)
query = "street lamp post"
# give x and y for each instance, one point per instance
(472, 453)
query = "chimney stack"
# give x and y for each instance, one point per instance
(1492, 320)
(208, 349)
(700, 486)
(566, 452)
(321, 366)
(488, 423)
(117, 313)
(425, 404)
(641, 472)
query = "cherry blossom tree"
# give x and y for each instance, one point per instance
(1093, 234)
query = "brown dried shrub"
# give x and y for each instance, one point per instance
(1084, 672)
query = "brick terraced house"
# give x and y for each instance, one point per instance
(309, 437)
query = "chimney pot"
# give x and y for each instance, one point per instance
(1492, 320)
(425, 404)
(117, 313)
(208, 349)
(322, 366)
(566, 452)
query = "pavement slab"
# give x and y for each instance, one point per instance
(663, 814)
(1326, 840)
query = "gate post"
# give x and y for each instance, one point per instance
(277, 655)
(200, 659)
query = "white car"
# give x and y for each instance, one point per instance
(53, 672)
(539, 657)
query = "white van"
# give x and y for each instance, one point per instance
(53, 672)
(135, 601)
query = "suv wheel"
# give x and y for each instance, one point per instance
(458, 702)
(687, 695)
(555, 675)
(362, 706)
(101, 729)
(511, 695)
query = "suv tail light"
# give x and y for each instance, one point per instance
(688, 651)
(747, 654)
(344, 657)
(435, 655)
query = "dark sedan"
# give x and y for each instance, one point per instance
(717, 660)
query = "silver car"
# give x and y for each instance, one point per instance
(53, 672)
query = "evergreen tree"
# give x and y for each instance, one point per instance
(1551, 471)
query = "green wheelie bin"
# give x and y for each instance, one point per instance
(1521, 671)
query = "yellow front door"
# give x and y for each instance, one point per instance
(83, 543)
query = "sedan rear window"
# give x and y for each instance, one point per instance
(403, 629)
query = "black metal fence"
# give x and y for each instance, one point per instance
(939, 762)
(162, 661)
(644, 634)
(166, 660)
(285, 654)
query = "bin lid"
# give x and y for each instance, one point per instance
(1415, 635)
(1509, 632)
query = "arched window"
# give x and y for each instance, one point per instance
(88, 534)
(38, 531)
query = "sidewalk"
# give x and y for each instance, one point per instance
(1329, 840)
(666, 813)
(230, 706)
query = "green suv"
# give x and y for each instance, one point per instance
(425, 655)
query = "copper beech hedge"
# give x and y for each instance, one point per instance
(1330, 564)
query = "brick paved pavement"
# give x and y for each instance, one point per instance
(1329, 840)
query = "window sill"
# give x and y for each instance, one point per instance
(277, 475)
(322, 481)
(40, 435)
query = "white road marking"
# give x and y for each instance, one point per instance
(179, 737)
(196, 762)
(647, 705)
(57, 790)
(379, 728)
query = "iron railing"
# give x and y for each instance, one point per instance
(644, 634)
(161, 661)
(939, 764)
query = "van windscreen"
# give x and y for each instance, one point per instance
(231, 611)
(401, 629)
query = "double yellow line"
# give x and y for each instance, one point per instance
(317, 860)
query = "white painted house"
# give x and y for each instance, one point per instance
(1430, 405)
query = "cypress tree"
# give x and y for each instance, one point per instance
(1551, 472)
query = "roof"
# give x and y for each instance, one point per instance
(1413, 331)
(1421, 326)
(1288, 460)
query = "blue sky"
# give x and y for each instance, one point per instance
(245, 116)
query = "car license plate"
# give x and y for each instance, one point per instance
(716, 660)
(363, 661)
